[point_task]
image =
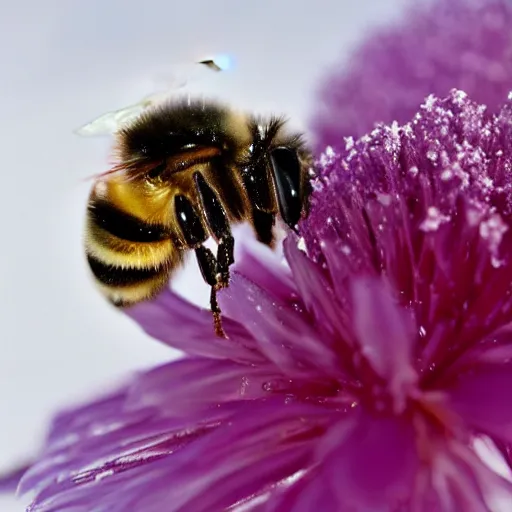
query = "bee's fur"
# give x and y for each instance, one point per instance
(185, 171)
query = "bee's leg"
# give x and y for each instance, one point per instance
(194, 235)
(258, 181)
(263, 223)
(286, 170)
(219, 226)
(225, 258)
(208, 266)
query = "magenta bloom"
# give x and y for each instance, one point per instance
(357, 378)
(436, 46)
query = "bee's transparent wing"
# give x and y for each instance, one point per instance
(168, 83)
(111, 122)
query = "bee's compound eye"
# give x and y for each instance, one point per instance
(189, 221)
(286, 169)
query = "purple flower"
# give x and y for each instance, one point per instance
(9, 481)
(358, 377)
(437, 46)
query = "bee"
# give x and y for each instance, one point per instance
(186, 171)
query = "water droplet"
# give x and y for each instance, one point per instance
(384, 199)
(244, 385)
(100, 476)
(276, 385)
(301, 244)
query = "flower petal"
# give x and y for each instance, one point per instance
(9, 481)
(125, 425)
(311, 492)
(364, 463)
(233, 462)
(371, 462)
(285, 337)
(198, 385)
(385, 335)
(181, 324)
(457, 479)
(480, 395)
(266, 269)
(317, 294)
(375, 463)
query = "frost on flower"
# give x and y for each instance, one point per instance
(436, 46)
(361, 377)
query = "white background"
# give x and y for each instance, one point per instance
(65, 62)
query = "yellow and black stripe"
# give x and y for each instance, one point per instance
(131, 258)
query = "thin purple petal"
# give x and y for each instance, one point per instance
(480, 396)
(385, 335)
(198, 380)
(9, 481)
(239, 459)
(182, 325)
(288, 340)
(370, 464)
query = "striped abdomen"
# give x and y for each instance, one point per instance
(131, 255)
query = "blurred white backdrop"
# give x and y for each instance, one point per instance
(65, 62)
